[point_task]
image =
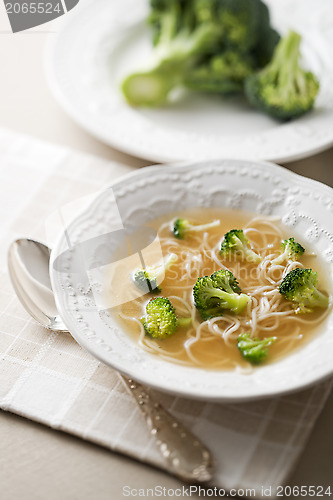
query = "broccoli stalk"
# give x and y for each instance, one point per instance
(148, 279)
(236, 243)
(178, 43)
(299, 286)
(161, 321)
(184, 322)
(254, 350)
(291, 250)
(219, 292)
(182, 227)
(283, 89)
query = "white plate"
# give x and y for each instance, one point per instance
(105, 40)
(305, 207)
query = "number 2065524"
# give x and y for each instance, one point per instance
(33, 8)
(302, 491)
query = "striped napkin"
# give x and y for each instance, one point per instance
(49, 378)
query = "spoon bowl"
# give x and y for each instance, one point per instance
(28, 264)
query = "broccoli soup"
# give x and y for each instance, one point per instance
(222, 290)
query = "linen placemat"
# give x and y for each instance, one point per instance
(48, 377)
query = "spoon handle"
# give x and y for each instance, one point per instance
(185, 456)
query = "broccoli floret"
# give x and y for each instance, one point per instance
(283, 89)
(299, 286)
(246, 47)
(241, 21)
(219, 292)
(205, 10)
(236, 243)
(291, 250)
(226, 281)
(160, 321)
(148, 279)
(179, 40)
(182, 227)
(254, 350)
(222, 73)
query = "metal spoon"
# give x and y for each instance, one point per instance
(185, 456)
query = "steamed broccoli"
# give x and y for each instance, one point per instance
(205, 10)
(242, 22)
(283, 89)
(222, 73)
(182, 227)
(198, 42)
(236, 243)
(248, 44)
(179, 41)
(219, 292)
(291, 250)
(299, 286)
(254, 350)
(161, 321)
(147, 279)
